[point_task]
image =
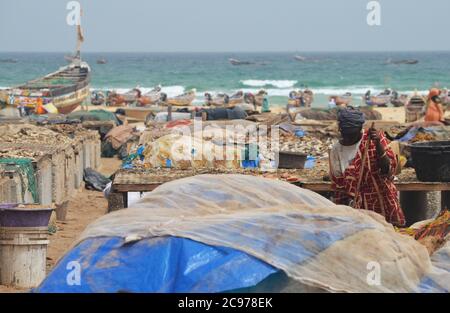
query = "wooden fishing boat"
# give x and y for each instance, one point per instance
(342, 100)
(380, 100)
(97, 97)
(64, 89)
(298, 98)
(122, 99)
(151, 97)
(402, 61)
(185, 99)
(255, 100)
(141, 114)
(238, 62)
(300, 58)
(445, 97)
(399, 100)
(223, 99)
(237, 98)
(9, 60)
(415, 108)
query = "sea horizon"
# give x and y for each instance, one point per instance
(326, 73)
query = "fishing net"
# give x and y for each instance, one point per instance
(94, 115)
(27, 175)
(431, 233)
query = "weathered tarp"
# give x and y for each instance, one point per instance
(94, 115)
(283, 227)
(120, 135)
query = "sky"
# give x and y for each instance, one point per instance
(225, 26)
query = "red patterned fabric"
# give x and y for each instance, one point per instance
(377, 192)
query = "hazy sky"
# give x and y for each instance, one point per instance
(226, 25)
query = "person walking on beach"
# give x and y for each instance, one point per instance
(362, 168)
(434, 111)
(332, 104)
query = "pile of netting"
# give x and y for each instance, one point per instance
(27, 173)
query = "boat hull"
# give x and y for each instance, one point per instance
(64, 103)
(182, 101)
(65, 89)
(140, 114)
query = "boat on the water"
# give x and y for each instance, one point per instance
(298, 98)
(239, 62)
(399, 62)
(184, 99)
(299, 58)
(9, 60)
(102, 61)
(342, 100)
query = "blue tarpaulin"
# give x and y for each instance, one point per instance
(167, 264)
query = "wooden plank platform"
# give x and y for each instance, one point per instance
(141, 181)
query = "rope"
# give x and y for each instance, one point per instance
(26, 169)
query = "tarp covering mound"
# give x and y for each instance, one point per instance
(215, 233)
(325, 114)
(94, 115)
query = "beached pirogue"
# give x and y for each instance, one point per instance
(185, 99)
(345, 99)
(134, 96)
(380, 100)
(66, 89)
(301, 98)
(223, 99)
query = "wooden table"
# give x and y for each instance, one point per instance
(413, 194)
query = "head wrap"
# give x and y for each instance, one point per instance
(433, 92)
(350, 118)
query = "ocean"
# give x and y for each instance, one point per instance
(277, 73)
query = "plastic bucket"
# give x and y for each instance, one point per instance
(23, 246)
(23, 255)
(431, 160)
(18, 217)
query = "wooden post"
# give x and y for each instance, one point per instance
(169, 113)
(445, 200)
(414, 205)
